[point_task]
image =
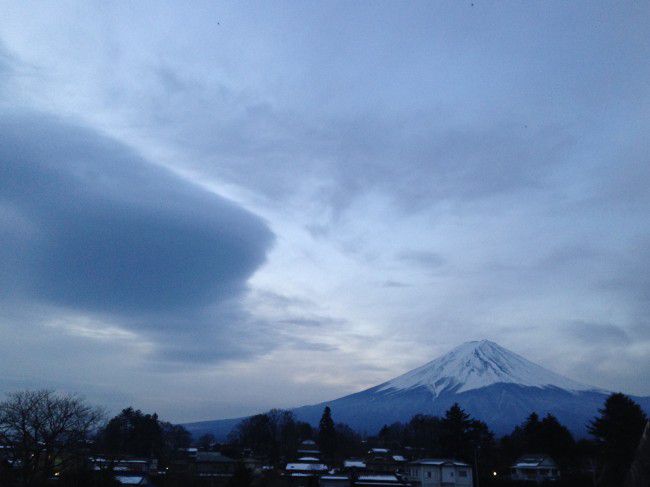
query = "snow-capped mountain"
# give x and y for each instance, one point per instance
(490, 382)
(474, 365)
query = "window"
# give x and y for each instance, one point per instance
(428, 475)
(462, 473)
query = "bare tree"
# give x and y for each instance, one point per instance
(46, 431)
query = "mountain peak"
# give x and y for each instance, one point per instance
(477, 364)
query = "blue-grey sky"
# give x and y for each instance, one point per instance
(211, 209)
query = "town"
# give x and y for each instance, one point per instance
(51, 439)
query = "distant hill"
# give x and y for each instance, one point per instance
(488, 381)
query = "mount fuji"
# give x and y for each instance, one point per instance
(490, 382)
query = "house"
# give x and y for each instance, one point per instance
(381, 460)
(305, 468)
(334, 481)
(535, 468)
(308, 448)
(353, 480)
(132, 480)
(126, 465)
(309, 460)
(354, 464)
(436, 472)
(214, 465)
(380, 480)
(378, 452)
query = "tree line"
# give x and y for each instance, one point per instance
(51, 434)
(602, 460)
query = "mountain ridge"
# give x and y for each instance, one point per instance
(490, 382)
(477, 364)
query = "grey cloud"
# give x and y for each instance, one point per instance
(89, 225)
(311, 322)
(281, 301)
(597, 333)
(426, 260)
(397, 284)
(415, 158)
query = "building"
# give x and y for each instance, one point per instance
(436, 472)
(353, 480)
(389, 464)
(334, 481)
(308, 448)
(126, 465)
(306, 468)
(132, 480)
(535, 468)
(214, 465)
(127, 471)
(354, 465)
(384, 480)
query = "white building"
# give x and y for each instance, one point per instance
(535, 468)
(436, 472)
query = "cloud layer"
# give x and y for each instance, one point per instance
(90, 227)
(238, 208)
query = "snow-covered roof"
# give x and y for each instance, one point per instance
(439, 461)
(399, 458)
(129, 479)
(473, 365)
(377, 478)
(308, 459)
(534, 461)
(316, 467)
(354, 464)
(378, 450)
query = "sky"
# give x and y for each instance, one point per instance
(212, 209)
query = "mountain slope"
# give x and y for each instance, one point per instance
(473, 365)
(490, 382)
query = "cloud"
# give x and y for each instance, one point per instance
(90, 226)
(597, 333)
(422, 258)
(416, 159)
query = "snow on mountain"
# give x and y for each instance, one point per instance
(490, 382)
(474, 365)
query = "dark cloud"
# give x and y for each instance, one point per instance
(88, 225)
(597, 333)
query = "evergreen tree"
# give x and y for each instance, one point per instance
(556, 440)
(206, 442)
(617, 431)
(547, 436)
(424, 432)
(467, 439)
(134, 433)
(327, 434)
(348, 442)
(456, 432)
(275, 434)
